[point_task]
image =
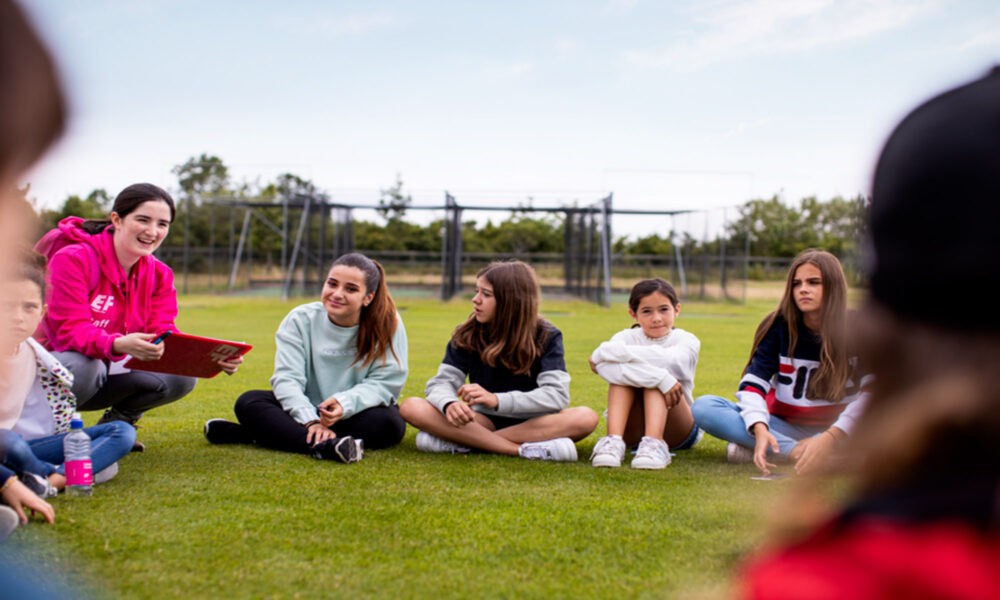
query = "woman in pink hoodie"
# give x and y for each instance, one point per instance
(108, 298)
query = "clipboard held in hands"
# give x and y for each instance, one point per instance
(191, 355)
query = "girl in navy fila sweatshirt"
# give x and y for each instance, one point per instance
(801, 391)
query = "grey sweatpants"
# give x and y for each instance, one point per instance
(129, 394)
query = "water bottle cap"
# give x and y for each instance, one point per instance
(76, 422)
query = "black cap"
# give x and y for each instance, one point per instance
(935, 210)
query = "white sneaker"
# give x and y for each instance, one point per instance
(652, 454)
(608, 452)
(106, 474)
(737, 454)
(431, 443)
(559, 449)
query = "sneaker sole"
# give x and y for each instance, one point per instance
(606, 463)
(649, 467)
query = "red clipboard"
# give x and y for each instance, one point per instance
(191, 355)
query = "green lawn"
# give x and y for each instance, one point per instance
(187, 519)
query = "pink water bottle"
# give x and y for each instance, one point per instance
(76, 452)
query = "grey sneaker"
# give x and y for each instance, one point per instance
(106, 474)
(8, 521)
(609, 451)
(42, 487)
(652, 454)
(559, 449)
(737, 454)
(343, 449)
(431, 443)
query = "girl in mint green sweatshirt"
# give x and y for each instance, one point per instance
(339, 367)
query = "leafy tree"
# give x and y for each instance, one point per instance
(840, 224)
(519, 235)
(202, 176)
(288, 185)
(397, 235)
(775, 229)
(202, 180)
(95, 205)
(651, 244)
(392, 203)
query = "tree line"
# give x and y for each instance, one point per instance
(763, 226)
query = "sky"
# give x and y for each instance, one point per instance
(681, 105)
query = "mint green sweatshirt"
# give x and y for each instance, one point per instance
(313, 359)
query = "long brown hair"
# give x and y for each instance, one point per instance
(516, 334)
(378, 320)
(830, 380)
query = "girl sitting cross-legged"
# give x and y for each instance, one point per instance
(339, 366)
(502, 386)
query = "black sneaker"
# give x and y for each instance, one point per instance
(344, 449)
(113, 415)
(221, 431)
(42, 487)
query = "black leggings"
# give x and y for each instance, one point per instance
(270, 426)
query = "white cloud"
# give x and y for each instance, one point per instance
(729, 28)
(516, 69)
(506, 70)
(566, 47)
(622, 4)
(741, 129)
(344, 25)
(983, 39)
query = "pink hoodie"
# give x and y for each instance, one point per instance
(87, 320)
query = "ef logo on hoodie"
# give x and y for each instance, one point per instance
(102, 303)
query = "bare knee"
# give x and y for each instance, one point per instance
(414, 410)
(582, 421)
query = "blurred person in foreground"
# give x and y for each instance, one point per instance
(922, 515)
(32, 117)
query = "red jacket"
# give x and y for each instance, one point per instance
(875, 558)
(92, 301)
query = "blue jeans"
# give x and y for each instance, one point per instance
(721, 418)
(43, 456)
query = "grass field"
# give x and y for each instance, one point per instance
(187, 519)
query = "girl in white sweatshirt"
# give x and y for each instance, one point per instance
(650, 373)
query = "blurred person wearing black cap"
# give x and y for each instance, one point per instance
(922, 519)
